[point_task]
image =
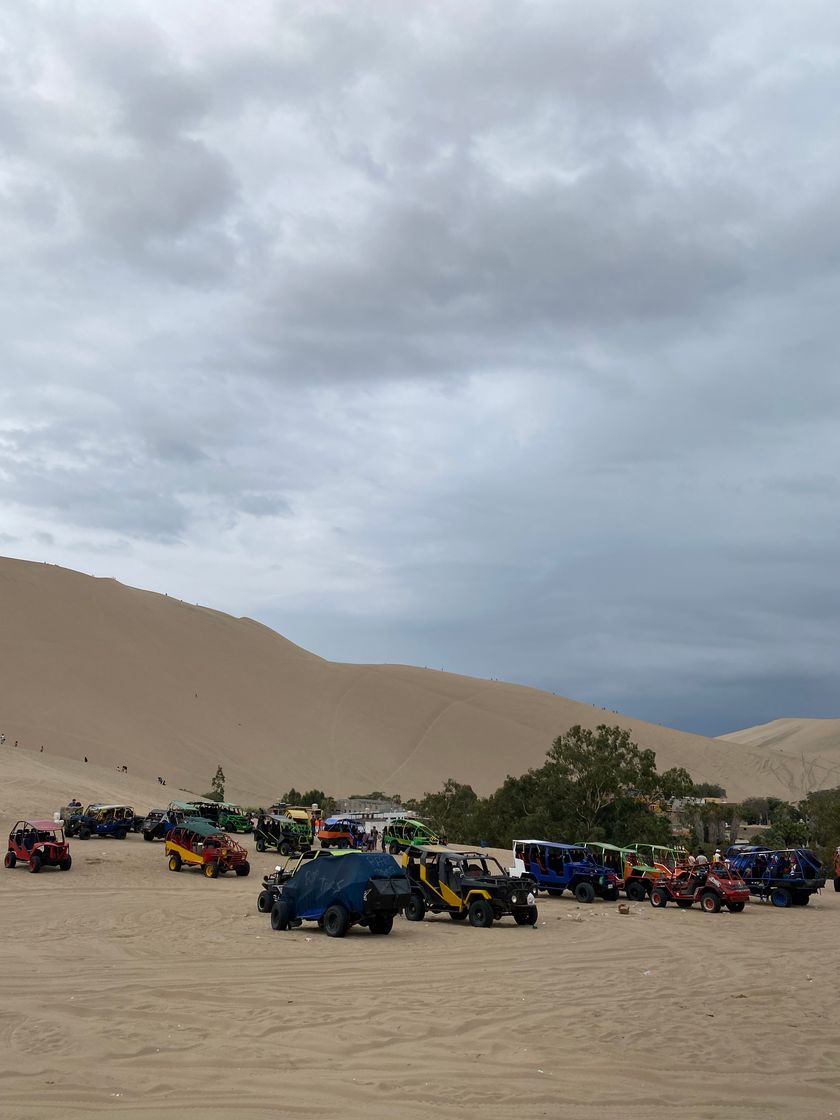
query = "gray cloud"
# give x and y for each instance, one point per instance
(497, 338)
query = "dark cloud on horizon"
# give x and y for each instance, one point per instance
(498, 338)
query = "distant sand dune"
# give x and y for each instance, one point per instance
(91, 667)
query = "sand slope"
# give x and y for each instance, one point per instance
(91, 667)
(804, 753)
(132, 992)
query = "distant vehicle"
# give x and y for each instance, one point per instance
(155, 825)
(350, 888)
(158, 822)
(283, 833)
(38, 844)
(404, 832)
(340, 832)
(230, 817)
(666, 860)
(463, 885)
(297, 812)
(102, 820)
(274, 881)
(787, 877)
(560, 867)
(197, 842)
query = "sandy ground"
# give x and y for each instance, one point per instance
(129, 991)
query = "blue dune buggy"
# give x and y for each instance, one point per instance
(561, 867)
(787, 877)
(350, 888)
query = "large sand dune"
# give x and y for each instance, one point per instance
(132, 992)
(804, 753)
(91, 667)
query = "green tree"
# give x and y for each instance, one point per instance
(821, 812)
(599, 776)
(217, 785)
(788, 826)
(708, 789)
(451, 810)
(755, 810)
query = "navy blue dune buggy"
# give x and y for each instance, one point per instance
(351, 888)
(786, 877)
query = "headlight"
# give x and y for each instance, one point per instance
(530, 899)
(514, 898)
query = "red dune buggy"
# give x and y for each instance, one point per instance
(40, 844)
(713, 886)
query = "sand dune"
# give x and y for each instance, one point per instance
(804, 753)
(91, 667)
(132, 992)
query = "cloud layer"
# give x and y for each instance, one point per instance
(496, 337)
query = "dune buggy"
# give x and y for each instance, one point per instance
(469, 885)
(350, 888)
(274, 881)
(102, 820)
(560, 867)
(283, 833)
(341, 832)
(196, 842)
(712, 886)
(787, 877)
(404, 832)
(39, 844)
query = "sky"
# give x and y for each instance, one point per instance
(492, 337)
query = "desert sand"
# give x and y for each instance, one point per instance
(805, 753)
(91, 667)
(132, 992)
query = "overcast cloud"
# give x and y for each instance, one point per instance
(494, 337)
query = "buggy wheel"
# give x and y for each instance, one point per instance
(10, 859)
(381, 923)
(710, 902)
(415, 908)
(526, 917)
(120, 834)
(585, 892)
(84, 833)
(658, 898)
(458, 915)
(336, 921)
(635, 890)
(780, 896)
(211, 869)
(280, 915)
(394, 848)
(837, 883)
(260, 845)
(174, 862)
(735, 907)
(801, 898)
(34, 863)
(243, 870)
(66, 864)
(481, 914)
(148, 836)
(554, 892)
(285, 848)
(264, 903)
